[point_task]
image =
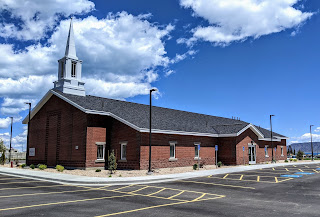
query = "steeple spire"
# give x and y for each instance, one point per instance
(71, 47)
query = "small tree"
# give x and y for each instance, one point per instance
(112, 162)
(294, 152)
(300, 155)
(3, 151)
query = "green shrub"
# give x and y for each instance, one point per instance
(300, 155)
(110, 176)
(295, 160)
(307, 158)
(32, 166)
(219, 164)
(291, 159)
(195, 166)
(112, 162)
(98, 170)
(38, 165)
(42, 166)
(60, 168)
(23, 165)
(286, 161)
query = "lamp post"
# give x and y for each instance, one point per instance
(10, 142)
(149, 170)
(271, 135)
(27, 151)
(311, 142)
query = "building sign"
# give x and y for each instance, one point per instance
(32, 152)
(216, 147)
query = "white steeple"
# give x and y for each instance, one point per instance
(69, 76)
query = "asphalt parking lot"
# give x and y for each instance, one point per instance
(279, 191)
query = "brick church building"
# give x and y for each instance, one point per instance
(76, 130)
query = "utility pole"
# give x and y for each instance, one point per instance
(311, 142)
(27, 151)
(271, 136)
(10, 142)
(150, 125)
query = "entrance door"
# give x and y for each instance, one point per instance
(252, 154)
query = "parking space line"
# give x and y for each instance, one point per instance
(64, 202)
(198, 198)
(285, 180)
(225, 176)
(273, 168)
(21, 182)
(156, 206)
(144, 195)
(258, 178)
(241, 177)
(218, 184)
(156, 192)
(176, 195)
(139, 189)
(276, 179)
(44, 186)
(300, 170)
(287, 169)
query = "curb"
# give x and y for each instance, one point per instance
(99, 181)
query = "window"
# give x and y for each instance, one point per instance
(197, 150)
(62, 68)
(266, 151)
(172, 150)
(100, 150)
(123, 151)
(73, 69)
(281, 151)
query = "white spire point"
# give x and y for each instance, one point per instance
(71, 47)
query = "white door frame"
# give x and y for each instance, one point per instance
(253, 155)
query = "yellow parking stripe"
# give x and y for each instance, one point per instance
(276, 179)
(151, 207)
(176, 195)
(217, 184)
(198, 198)
(241, 177)
(225, 176)
(139, 189)
(156, 192)
(123, 187)
(258, 178)
(63, 202)
(301, 170)
(287, 169)
(273, 168)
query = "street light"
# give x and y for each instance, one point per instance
(311, 142)
(10, 142)
(27, 152)
(271, 135)
(149, 170)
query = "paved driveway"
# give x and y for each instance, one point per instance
(280, 191)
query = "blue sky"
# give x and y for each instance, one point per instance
(248, 59)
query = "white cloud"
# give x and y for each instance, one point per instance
(6, 122)
(168, 73)
(17, 142)
(305, 138)
(37, 16)
(317, 129)
(236, 20)
(121, 55)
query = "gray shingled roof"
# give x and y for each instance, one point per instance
(162, 118)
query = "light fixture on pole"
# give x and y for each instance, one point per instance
(27, 151)
(150, 125)
(10, 142)
(311, 142)
(271, 136)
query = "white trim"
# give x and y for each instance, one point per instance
(254, 129)
(174, 150)
(269, 139)
(146, 130)
(103, 151)
(121, 149)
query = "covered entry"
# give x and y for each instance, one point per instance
(252, 153)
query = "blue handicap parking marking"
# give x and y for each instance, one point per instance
(291, 176)
(304, 173)
(318, 169)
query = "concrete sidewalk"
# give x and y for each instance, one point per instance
(100, 181)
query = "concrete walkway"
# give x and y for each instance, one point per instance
(100, 181)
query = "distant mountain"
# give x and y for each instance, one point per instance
(306, 147)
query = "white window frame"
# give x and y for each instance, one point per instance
(282, 151)
(197, 157)
(73, 69)
(172, 143)
(122, 144)
(103, 153)
(266, 152)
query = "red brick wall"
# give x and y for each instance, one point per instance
(94, 134)
(71, 132)
(227, 150)
(185, 151)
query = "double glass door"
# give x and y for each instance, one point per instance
(252, 154)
